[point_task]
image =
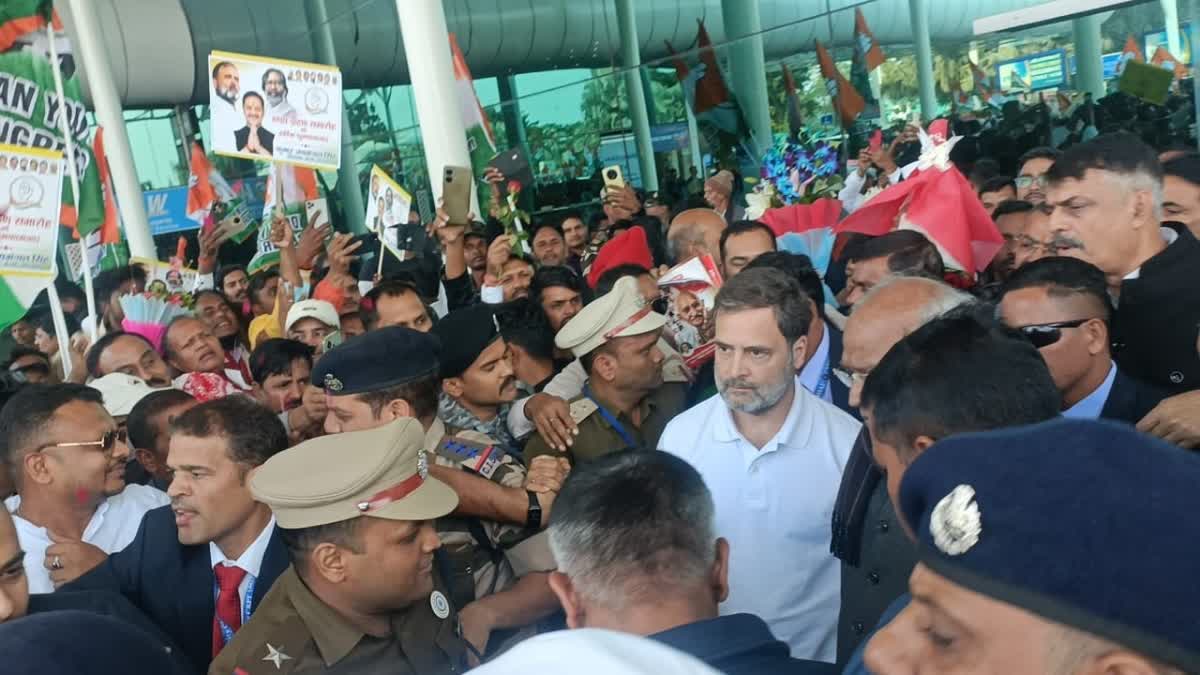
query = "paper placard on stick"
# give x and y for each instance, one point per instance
(388, 206)
(165, 277)
(1147, 82)
(276, 110)
(30, 200)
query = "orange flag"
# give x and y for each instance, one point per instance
(847, 102)
(865, 43)
(110, 230)
(1164, 59)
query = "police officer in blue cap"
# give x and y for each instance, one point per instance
(1064, 547)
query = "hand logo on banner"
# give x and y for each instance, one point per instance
(26, 192)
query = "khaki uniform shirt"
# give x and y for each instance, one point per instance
(294, 633)
(598, 437)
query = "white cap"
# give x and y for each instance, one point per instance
(592, 651)
(312, 309)
(121, 392)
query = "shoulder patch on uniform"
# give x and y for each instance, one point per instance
(480, 457)
(582, 408)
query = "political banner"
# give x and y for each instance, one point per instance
(30, 201)
(276, 110)
(388, 206)
(165, 277)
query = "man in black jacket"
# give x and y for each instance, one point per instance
(1061, 305)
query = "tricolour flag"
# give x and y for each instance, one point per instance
(1131, 52)
(865, 47)
(1163, 59)
(206, 187)
(794, 116)
(847, 102)
(988, 89)
(481, 140)
(717, 111)
(113, 252)
(299, 184)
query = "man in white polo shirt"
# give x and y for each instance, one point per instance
(67, 459)
(773, 455)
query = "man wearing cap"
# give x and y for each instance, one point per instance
(478, 384)
(1017, 574)
(718, 192)
(393, 373)
(625, 404)
(363, 594)
(310, 321)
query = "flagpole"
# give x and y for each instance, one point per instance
(833, 58)
(73, 173)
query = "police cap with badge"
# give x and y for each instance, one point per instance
(375, 360)
(622, 312)
(1089, 524)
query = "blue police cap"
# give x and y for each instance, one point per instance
(375, 360)
(1089, 524)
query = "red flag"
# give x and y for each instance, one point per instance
(1164, 59)
(865, 44)
(1132, 50)
(710, 89)
(795, 117)
(110, 230)
(847, 102)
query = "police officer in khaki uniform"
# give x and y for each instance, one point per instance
(625, 403)
(392, 373)
(362, 594)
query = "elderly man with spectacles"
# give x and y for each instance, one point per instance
(67, 460)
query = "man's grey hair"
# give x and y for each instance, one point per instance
(632, 527)
(943, 296)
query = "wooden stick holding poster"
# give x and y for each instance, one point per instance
(73, 173)
(388, 208)
(276, 110)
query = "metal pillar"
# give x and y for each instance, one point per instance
(1171, 18)
(510, 107)
(918, 16)
(435, 94)
(748, 66)
(92, 48)
(693, 144)
(348, 188)
(1089, 58)
(631, 59)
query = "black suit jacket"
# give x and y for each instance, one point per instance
(265, 139)
(1130, 400)
(173, 583)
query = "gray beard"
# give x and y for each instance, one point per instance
(765, 397)
(275, 101)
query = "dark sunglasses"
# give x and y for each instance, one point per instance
(1046, 334)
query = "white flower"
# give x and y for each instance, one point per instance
(758, 202)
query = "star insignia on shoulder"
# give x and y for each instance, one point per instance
(423, 465)
(955, 522)
(332, 383)
(276, 656)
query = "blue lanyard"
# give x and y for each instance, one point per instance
(608, 417)
(226, 631)
(823, 383)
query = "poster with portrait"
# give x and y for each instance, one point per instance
(388, 206)
(275, 110)
(166, 277)
(690, 290)
(30, 200)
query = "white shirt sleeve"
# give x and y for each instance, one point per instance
(567, 384)
(851, 194)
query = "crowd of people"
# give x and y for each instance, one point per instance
(508, 461)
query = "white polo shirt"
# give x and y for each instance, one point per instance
(112, 527)
(775, 506)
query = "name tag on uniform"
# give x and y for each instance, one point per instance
(481, 458)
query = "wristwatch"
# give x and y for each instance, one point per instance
(533, 520)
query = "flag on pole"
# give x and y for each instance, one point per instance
(1163, 59)
(717, 111)
(848, 104)
(794, 116)
(866, 49)
(299, 184)
(113, 251)
(1131, 52)
(24, 54)
(206, 186)
(986, 86)
(481, 140)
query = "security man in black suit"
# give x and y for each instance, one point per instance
(200, 567)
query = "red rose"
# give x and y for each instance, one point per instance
(514, 186)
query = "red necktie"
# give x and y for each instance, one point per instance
(229, 605)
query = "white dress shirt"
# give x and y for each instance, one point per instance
(250, 560)
(774, 506)
(818, 369)
(112, 527)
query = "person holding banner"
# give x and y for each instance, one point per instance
(253, 138)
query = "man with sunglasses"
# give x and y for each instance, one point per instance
(67, 459)
(1061, 305)
(30, 363)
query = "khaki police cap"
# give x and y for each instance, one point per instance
(622, 312)
(381, 473)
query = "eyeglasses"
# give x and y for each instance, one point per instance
(847, 377)
(1026, 181)
(1046, 334)
(106, 443)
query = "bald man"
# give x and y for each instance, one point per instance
(694, 233)
(876, 557)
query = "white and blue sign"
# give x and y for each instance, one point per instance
(167, 210)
